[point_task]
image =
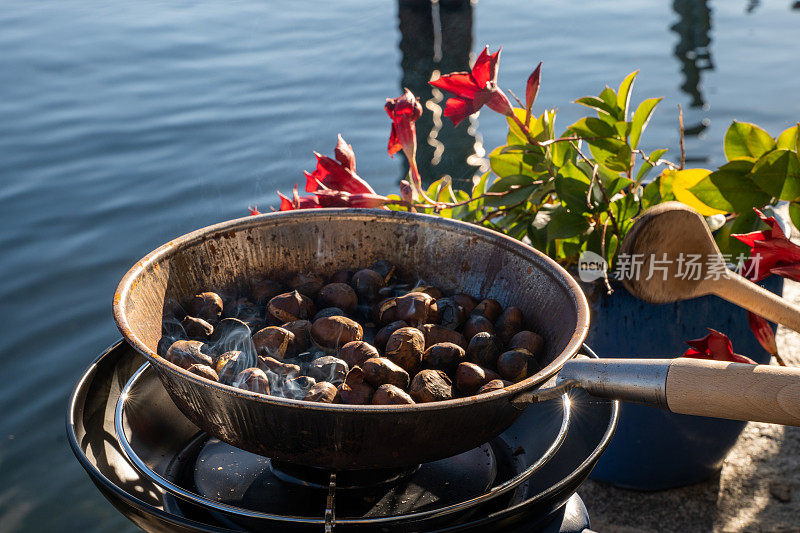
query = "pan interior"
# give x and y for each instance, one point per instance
(455, 257)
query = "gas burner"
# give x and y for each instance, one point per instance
(160, 471)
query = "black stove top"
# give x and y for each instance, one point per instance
(217, 472)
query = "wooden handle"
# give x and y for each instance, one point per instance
(747, 294)
(719, 389)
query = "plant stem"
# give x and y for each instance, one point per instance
(683, 145)
(611, 216)
(524, 129)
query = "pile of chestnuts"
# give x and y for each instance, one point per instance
(360, 337)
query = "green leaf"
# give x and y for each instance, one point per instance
(508, 164)
(788, 139)
(730, 188)
(640, 119)
(746, 140)
(592, 127)
(778, 173)
(519, 188)
(565, 224)
(515, 135)
(561, 153)
(624, 93)
(610, 97)
(646, 167)
(651, 194)
(612, 153)
(665, 186)
(613, 183)
(480, 187)
(572, 187)
(794, 214)
(597, 104)
(624, 210)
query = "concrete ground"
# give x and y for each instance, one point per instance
(758, 488)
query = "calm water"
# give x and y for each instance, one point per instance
(123, 125)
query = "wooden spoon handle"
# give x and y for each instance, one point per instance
(744, 293)
(720, 389)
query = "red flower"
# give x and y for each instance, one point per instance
(404, 111)
(770, 252)
(715, 346)
(298, 202)
(474, 89)
(254, 211)
(337, 174)
(763, 332)
(331, 198)
(532, 87)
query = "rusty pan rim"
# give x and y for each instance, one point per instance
(556, 271)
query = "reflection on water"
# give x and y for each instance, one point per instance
(436, 38)
(126, 124)
(693, 50)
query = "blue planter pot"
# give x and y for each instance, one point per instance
(654, 449)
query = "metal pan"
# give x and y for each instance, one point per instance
(446, 253)
(450, 255)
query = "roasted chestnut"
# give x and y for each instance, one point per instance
(386, 331)
(477, 323)
(527, 340)
(405, 347)
(275, 342)
(281, 370)
(509, 324)
(265, 290)
(328, 368)
(444, 356)
(514, 365)
(322, 392)
(332, 332)
(471, 377)
(229, 365)
(204, 371)
(489, 309)
(451, 315)
(431, 386)
(390, 395)
(306, 283)
(290, 306)
(430, 290)
(380, 370)
(328, 311)
(414, 308)
(385, 312)
(188, 353)
(253, 380)
(302, 333)
(483, 350)
(231, 334)
(367, 284)
(355, 390)
(339, 295)
(343, 276)
(297, 388)
(206, 305)
(495, 384)
(384, 268)
(356, 352)
(466, 301)
(436, 334)
(196, 328)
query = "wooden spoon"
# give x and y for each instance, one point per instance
(663, 238)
